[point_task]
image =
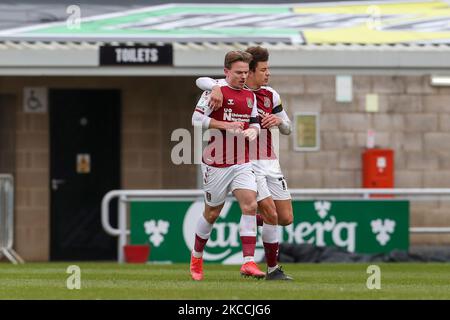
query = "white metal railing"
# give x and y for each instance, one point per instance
(125, 196)
(7, 219)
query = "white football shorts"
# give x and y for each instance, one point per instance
(270, 180)
(217, 182)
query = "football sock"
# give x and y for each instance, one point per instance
(270, 242)
(202, 233)
(247, 231)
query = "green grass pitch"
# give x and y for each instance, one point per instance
(156, 281)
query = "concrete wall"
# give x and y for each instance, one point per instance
(414, 120)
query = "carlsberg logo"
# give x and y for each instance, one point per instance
(360, 226)
(343, 234)
(224, 243)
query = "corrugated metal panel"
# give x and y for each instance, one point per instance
(226, 46)
(42, 54)
(207, 57)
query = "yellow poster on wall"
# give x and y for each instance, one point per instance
(306, 131)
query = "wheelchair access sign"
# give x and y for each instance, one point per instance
(35, 99)
(365, 226)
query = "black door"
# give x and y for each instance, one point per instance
(84, 166)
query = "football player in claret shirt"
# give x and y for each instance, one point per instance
(274, 199)
(226, 163)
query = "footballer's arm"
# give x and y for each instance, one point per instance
(253, 130)
(278, 117)
(201, 119)
(285, 126)
(206, 83)
(209, 84)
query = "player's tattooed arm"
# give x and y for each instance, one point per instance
(280, 120)
(270, 120)
(286, 125)
(283, 123)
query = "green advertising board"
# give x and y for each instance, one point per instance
(360, 226)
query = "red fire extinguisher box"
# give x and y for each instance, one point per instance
(378, 168)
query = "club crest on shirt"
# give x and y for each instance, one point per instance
(266, 102)
(249, 103)
(230, 102)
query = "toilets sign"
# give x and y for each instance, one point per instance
(136, 55)
(366, 226)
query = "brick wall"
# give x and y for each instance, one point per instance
(151, 109)
(32, 181)
(413, 119)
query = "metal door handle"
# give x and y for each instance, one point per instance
(56, 183)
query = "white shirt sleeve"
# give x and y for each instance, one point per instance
(206, 83)
(285, 126)
(276, 98)
(254, 115)
(202, 111)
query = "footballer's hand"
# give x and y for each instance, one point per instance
(235, 127)
(269, 121)
(250, 133)
(216, 98)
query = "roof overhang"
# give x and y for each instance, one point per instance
(55, 58)
(388, 37)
